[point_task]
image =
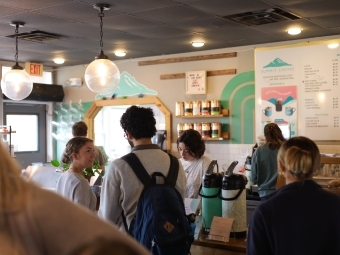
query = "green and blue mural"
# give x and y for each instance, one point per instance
(65, 115)
(238, 96)
(128, 86)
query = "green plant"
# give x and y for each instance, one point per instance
(87, 173)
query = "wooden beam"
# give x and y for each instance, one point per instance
(186, 59)
(209, 73)
(221, 72)
(172, 76)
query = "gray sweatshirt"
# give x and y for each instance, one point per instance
(121, 188)
(76, 188)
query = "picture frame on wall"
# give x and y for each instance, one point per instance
(196, 82)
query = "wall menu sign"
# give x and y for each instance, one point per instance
(300, 86)
(196, 82)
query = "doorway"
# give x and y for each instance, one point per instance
(29, 123)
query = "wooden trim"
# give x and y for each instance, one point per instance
(329, 160)
(186, 59)
(221, 72)
(172, 76)
(99, 104)
(209, 73)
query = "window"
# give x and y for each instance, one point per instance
(26, 127)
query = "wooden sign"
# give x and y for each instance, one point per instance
(34, 69)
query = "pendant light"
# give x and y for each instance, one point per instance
(16, 83)
(102, 76)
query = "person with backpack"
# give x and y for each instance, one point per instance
(122, 188)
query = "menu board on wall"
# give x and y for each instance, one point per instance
(299, 86)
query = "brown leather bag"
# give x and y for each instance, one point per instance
(281, 180)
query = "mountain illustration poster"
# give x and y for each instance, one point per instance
(279, 105)
(128, 86)
(277, 62)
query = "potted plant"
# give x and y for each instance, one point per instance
(87, 172)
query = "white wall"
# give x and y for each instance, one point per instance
(170, 91)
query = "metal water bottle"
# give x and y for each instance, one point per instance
(233, 197)
(247, 167)
(210, 192)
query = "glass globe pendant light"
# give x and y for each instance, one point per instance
(16, 83)
(102, 76)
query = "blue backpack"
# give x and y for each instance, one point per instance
(160, 223)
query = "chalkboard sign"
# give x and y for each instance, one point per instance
(300, 86)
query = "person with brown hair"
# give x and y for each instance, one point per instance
(80, 129)
(191, 147)
(302, 217)
(79, 153)
(264, 164)
(34, 221)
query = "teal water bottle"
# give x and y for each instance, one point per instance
(210, 192)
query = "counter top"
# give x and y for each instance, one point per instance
(233, 244)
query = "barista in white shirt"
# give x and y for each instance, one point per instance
(191, 147)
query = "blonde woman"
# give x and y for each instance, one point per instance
(301, 218)
(34, 221)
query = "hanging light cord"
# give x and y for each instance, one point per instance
(101, 15)
(16, 43)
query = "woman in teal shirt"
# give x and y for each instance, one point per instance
(264, 161)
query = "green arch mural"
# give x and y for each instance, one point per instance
(239, 97)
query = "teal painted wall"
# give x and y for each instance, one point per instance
(238, 96)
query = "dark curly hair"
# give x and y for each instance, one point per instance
(193, 141)
(74, 145)
(79, 129)
(139, 121)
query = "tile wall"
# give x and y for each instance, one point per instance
(227, 153)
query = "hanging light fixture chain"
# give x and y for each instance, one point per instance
(101, 15)
(16, 43)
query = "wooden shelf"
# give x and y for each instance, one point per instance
(329, 160)
(201, 116)
(225, 136)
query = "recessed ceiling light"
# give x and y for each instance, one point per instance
(294, 31)
(120, 53)
(197, 44)
(59, 61)
(333, 45)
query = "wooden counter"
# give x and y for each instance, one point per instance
(203, 246)
(329, 160)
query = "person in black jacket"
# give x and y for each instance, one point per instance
(301, 217)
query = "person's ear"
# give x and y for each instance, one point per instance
(281, 167)
(74, 156)
(128, 135)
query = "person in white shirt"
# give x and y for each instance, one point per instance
(80, 154)
(191, 147)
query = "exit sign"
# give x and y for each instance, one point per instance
(34, 69)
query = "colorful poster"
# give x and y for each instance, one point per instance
(279, 105)
(314, 70)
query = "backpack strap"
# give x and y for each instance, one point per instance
(134, 162)
(143, 175)
(171, 179)
(138, 168)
